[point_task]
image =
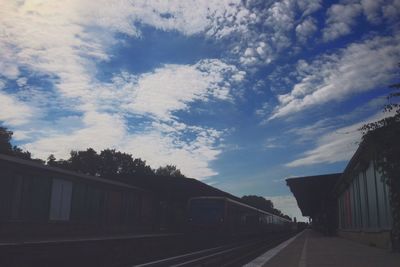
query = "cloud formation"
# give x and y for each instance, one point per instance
(306, 29)
(342, 18)
(335, 145)
(359, 67)
(61, 44)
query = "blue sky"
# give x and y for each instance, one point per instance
(239, 94)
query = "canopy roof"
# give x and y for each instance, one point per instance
(312, 191)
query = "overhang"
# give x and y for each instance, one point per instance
(311, 191)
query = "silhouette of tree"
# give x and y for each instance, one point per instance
(5, 141)
(259, 202)
(383, 138)
(169, 170)
(87, 162)
(18, 152)
(51, 160)
(263, 204)
(118, 164)
(141, 168)
(108, 164)
(7, 148)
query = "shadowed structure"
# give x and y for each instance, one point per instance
(314, 198)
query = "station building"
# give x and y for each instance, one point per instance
(364, 211)
(353, 204)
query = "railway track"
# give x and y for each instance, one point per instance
(235, 254)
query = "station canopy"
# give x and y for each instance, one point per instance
(311, 192)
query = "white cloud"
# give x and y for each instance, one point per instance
(158, 143)
(306, 29)
(275, 23)
(359, 67)
(99, 131)
(313, 131)
(168, 146)
(340, 20)
(371, 9)
(336, 145)
(309, 6)
(378, 10)
(154, 96)
(288, 205)
(333, 147)
(62, 42)
(14, 112)
(173, 87)
(271, 143)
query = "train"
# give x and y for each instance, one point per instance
(225, 217)
(39, 201)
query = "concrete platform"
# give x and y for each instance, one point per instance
(311, 249)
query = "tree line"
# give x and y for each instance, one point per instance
(109, 163)
(263, 204)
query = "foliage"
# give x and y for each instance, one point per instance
(8, 149)
(169, 170)
(383, 138)
(110, 164)
(263, 204)
(5, 141)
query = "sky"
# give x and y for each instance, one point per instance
(238, 94)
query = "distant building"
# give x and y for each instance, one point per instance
(354, 204)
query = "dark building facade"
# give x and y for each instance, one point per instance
(364, 210)
(354, 204)
(314, 198)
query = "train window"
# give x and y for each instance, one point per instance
(60, 203)
(128, 208)
(206, 210)
(95, 203)
(7, 189)
(35, 198)
(114, 203)
(79, 205)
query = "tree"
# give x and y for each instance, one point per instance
(108, 164)
(18, 152)
(263, 204)
(123, 165)
(5, 141)
(383, 138)
(259, 202)
(87, 162)
(142, 168)
(7, 148)
(169, 170)
(51, 160)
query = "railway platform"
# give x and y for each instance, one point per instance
(312, 249)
